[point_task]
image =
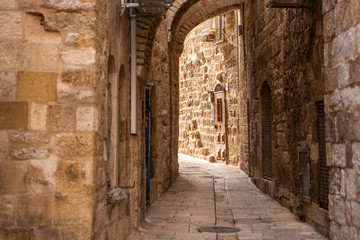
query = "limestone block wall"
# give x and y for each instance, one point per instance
(284, 50)
(202, 66)
(48, 118)
(342, 91)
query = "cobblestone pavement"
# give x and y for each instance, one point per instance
(215, 195)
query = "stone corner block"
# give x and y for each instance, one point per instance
(86, 119)
(75, 144)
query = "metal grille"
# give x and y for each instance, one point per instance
(304, 162)
(266, 131)
(323, 169)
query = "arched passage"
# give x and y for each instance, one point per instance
(293, 71)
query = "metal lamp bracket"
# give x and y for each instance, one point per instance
(146, 5)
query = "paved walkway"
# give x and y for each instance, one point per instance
(216, 196)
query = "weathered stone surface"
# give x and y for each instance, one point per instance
(34, 30)
(13, 177)
(86, 56)
(4, 4)
(76, 96)
(14, 115)
(11, 25)
(79, 77)
(354, 70)
(338, 157)
(76, 176)
(71, 233)
(77, 39)
(39, 214)
(72, 5)
(86, 119)
(74, 21)
(72, 209)
(23, 234)
(43, 176)
(75, 145)
(61, 118)
(24, 153)
(335, 181)
(7, 211)
(47, 234)
(38, 116)
(344, 46)
(355, 213)
(351, 186)
(356, 154)
(18, 55)
(7, 85)
(29, 138)
(337, 206)
(48, 55)
(4, 144)
(37, 86)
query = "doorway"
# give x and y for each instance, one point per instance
(220, 124)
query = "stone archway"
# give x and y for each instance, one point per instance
(167, 45)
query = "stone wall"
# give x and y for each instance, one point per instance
(48, 123)
(342, 91)
(64, 105)
(202, 66)
(284, 51)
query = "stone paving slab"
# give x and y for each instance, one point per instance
(215, 195)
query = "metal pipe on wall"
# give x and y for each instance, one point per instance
(133, 99)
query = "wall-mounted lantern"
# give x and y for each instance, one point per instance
(211, 34)
(288, 4)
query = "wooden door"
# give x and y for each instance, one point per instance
(220, 124)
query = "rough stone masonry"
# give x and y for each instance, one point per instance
(65, 121)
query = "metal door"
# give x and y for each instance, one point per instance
(220, 124)
(147, 143)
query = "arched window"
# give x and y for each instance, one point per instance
(266, 110)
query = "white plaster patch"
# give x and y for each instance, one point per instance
(86, 57)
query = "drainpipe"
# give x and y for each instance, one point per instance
(133, 74)
(237, 49)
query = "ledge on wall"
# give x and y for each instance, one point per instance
(288, 4)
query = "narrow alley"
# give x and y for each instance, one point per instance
(216, 201)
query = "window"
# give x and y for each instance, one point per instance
(323, 174)
(266, 131)
(219, 109)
